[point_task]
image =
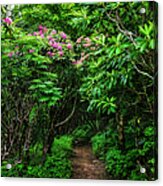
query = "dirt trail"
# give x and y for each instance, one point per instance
(86, 165)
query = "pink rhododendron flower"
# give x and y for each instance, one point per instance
(60, 53)
(29, 34)
(87, 44)
(42, 35)
(10, 54)
(79, 39)
(55, 45)
(35, 33)
(53, 32)
(50, 54)
(59, 47)
(45, 29)
(50, 43)
(40, 27)
(7, 20)
(52, 39)
(49, 37)
(69, 46)
(87, 39)
(63, 35)
(31, 51)
(40, 32)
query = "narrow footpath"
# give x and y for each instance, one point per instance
(86, 165)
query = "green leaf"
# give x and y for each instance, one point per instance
(37, 81)
(118, 51)
(111, 52)
(152, 44)
(43, 99)
(143, 47)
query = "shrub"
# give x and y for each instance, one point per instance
(103, 141)
(99, 144)
(57, 164)
(82, 132)
(119, 164)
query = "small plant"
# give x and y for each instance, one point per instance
(103, 141)
(83, 133)
(64, 143)
(57, 164)
(99, 144)
(120, 163)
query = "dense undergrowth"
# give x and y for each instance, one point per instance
(56, 165)
(75, 74)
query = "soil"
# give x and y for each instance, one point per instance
(86, 165)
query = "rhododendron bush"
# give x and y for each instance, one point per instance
(44, 76)
(76, 74)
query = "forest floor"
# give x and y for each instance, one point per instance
(86, 165)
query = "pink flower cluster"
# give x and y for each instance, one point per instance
(69, 46)
(7, 20)
(31, 51)
(53, 40)
(51, 54)
(53, 32)
(10, 54)
(79, 40)
(59, 46)
(61, 53)
(59, 43)
(86, 42)
(63, 35)
(41, 32)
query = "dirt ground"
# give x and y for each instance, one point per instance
(86, 165)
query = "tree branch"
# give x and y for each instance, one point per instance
(68, 117)
(119, 24)
(142, 72)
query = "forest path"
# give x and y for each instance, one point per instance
(86, 165)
